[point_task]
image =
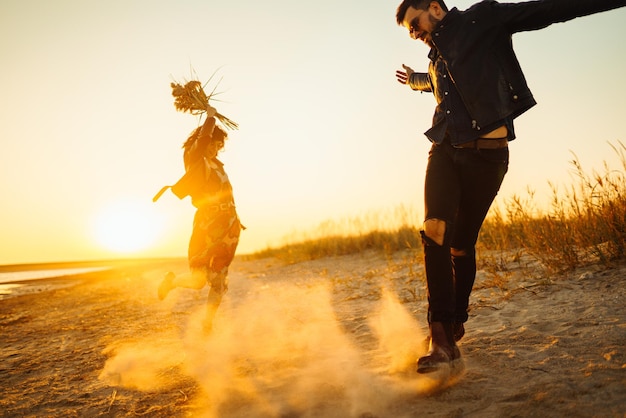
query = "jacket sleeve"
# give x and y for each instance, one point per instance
(195, 151)
(204, 137)
(193, 181)
(533, 15)
(420, 82)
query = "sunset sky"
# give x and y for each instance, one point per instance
(89, 133)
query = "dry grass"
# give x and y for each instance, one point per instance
(191, 97)
(387, 232)
(584, 224)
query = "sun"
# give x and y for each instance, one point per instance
(127, 226)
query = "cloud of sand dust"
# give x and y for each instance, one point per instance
(282, 351)
(398, 333)
(143, 366)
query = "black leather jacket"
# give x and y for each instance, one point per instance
(476, 45)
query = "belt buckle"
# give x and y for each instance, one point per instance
(465, 145)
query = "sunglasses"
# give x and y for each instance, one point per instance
(414, 25)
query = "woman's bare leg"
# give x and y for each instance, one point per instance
(196, 279)
(219, 285)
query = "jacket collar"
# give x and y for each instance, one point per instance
(450, 17)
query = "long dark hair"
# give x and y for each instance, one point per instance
(204, 134)
(201, 137)
(191, 139)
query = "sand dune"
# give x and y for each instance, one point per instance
(327, 338)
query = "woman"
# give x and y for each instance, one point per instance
(216, 226)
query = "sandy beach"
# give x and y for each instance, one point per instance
(335, 337)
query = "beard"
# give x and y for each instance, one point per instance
(427, 38)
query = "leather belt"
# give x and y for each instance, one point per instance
(485, 143)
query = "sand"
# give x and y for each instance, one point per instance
(335, 337)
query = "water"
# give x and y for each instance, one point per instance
(19, 276)
(9, 287)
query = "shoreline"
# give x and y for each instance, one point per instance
(58, 265)
(69, 273)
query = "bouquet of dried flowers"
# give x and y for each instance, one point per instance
(192, 98)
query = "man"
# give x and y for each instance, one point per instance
(480, 89)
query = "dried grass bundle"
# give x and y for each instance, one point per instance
(192, 98)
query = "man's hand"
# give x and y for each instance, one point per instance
(404, 76)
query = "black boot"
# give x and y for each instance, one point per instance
(443, 350)
(458, 333)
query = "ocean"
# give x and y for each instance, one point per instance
(20, 276)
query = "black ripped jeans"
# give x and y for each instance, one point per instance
(460, 186)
